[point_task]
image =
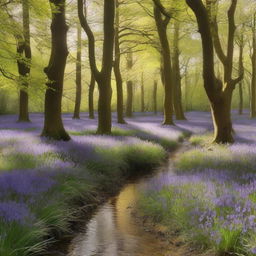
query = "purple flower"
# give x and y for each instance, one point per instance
(11, 211)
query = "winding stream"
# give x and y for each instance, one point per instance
(114, 231)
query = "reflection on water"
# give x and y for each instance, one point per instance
(113, 231)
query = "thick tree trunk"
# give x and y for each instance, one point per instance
(155, 97)
(253, 80)
(104, 106)
(161, 25)
(53, 126)
(117, 71)
(90, 97)
(220, 99)
(78, 74)
(177, 94)
(24, 49)
(222, 119)
(142, 96)
(129, 87)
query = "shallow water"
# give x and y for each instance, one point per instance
(114, 231)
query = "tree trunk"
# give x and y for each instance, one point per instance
(53, 126)
(129, 102)
(253, 80)
(142, 98)
(102, 77)
(117, 71)
(222, 120)
(177, 94)
(155, 97)
(161, 25)
(78, 74)
(241, 98)
(90, 97)
(24, 49)
(104, 106)
(129, 86)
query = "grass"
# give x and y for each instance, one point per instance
(74, 189)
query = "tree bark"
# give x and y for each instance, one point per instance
(253, 60)
(117, 71)
(155, 97)
(177, 94)
(24, 62)
(102, 77)
(53, 125)
(161, 24)
(91, 98)
(78, 74)
(129, 86)
(142, 96)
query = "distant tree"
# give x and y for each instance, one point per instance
(129, 86)
(253, 61)
(102, 77)
(53, 125)
(90, 97)
(155, 97)
(78, 73)
(142, 94)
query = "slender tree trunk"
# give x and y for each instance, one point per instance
(117, 71)
(53, 126)
(90, 97)
(129, 86)
(142, 99)
(103, 77)
(241, 98)
(161, 24)
(24, 50)
(78, 74)
(177, 94)
(253, 80)
(155, 97)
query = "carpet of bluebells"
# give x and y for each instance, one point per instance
(42, 182)
(209, 194)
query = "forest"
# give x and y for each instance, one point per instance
(127, 127)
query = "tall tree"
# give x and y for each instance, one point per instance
(78, 73)
(253, 61)
(177, 94)
(117, 71)
(102, 77)
(162, 19)
(240, 70)
(142, 95)
(129, 86)
(219, 93)
(53, 125)
(24, 62)
(155, 97)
